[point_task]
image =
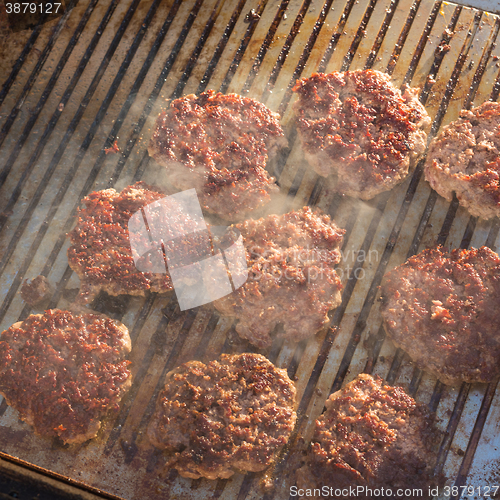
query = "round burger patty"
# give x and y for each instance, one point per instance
(465, 158)
(372, 438)
(235, 412)
(292, 282)
(442, 308)
(100, 251)
(360, 127)
(63, 372)
(219, 144)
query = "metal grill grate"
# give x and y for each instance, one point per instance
(102, 72)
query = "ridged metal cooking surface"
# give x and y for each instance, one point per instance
(102, 72)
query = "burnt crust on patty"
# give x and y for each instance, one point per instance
(442, 309)
(219, 144)
(465, 158)
(63, 372)
(358, 126)
(291, 282)
(233, 413)
(374, 436)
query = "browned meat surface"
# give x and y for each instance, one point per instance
(291, 281)
(359, 127)
(37, 291)
(100, 251)
(232, 413)
(465, 158)
(442, 308)
(64, 372)
(372, 438)
(219, 144)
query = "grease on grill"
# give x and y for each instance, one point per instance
(252, 16)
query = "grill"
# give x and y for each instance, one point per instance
(101, 72)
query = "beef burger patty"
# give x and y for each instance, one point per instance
(372, 438)
(292, 282)
(232, 413)
(358, 126)
(442, 309)
(63, 372)
(101, 253)
(465, 158)
(219, 144)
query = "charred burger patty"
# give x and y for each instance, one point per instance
(360, 127)
(442, 308)
(292, 282)
(465, 158)
(372, 437)
(101, 251)
(219, 144)
(64, 372)
(235, 412)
